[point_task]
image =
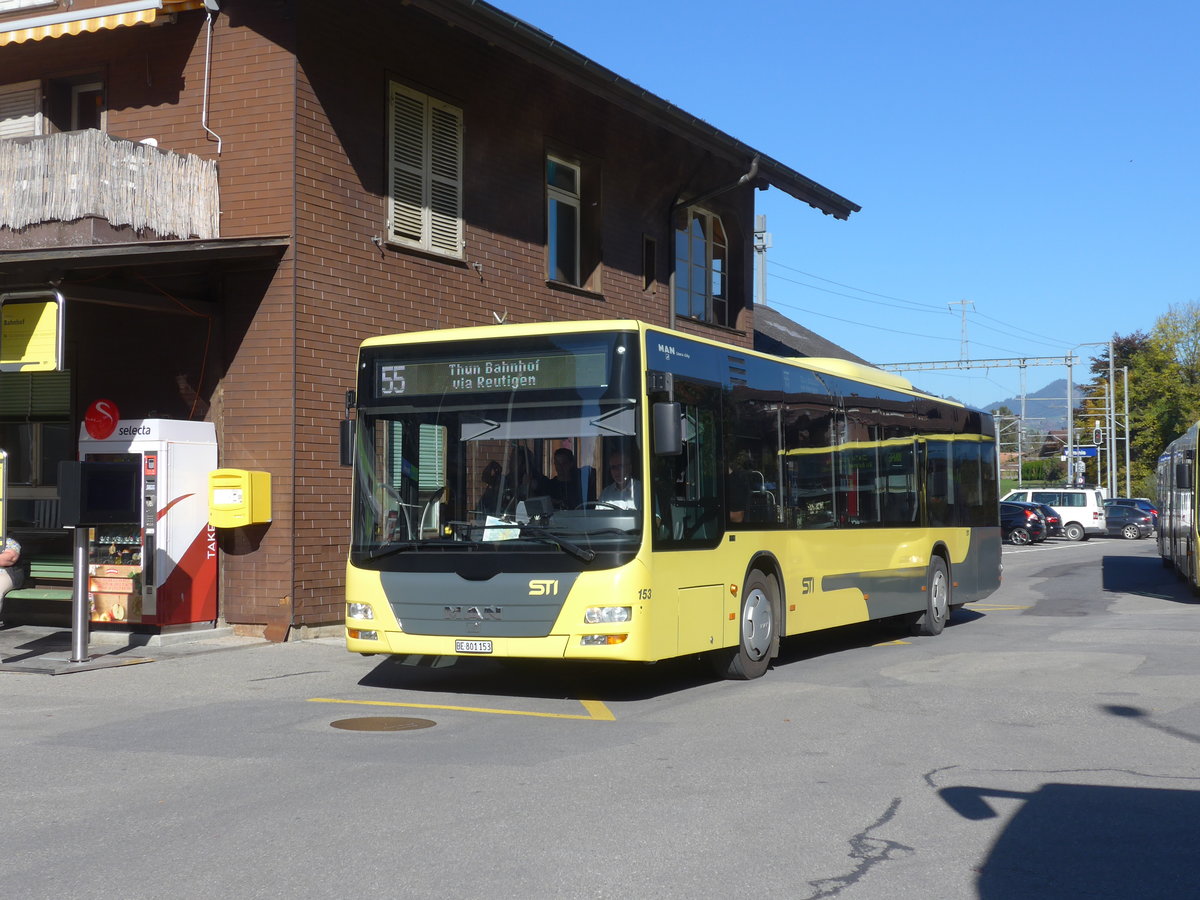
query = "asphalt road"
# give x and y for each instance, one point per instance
(1044, 746)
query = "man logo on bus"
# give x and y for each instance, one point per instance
(543, 588)
(472, 612)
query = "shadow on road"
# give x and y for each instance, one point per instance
(1082, 840)
(556, 679)
(1143, 576)
(538, 679)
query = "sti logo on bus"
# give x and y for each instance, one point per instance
(472, 612)
(543, 588)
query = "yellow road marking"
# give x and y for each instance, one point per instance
(596, 711)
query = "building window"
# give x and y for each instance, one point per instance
(36, 433)
(573, 220)
(87, 106)
(702, 268)
(562, 220)
(20, 109)
(425, 172)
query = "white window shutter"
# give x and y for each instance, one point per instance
(406, 194)
(445, 168)
(20, 115)
(425, 172)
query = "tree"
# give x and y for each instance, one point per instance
(1164, 388)
(1164, 385)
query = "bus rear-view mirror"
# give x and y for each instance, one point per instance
(668, 429)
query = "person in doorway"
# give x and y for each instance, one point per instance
(737, 488)
(489, 499)
(571, 487)
(12, 575)
(523, 481)
(625, 491)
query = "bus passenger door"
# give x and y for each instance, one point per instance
(687, 487)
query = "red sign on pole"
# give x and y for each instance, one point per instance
(101, 418)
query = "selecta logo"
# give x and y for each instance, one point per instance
(101, 418)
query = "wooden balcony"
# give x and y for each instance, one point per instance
(51, 185)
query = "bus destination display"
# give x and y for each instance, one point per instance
(505, 373)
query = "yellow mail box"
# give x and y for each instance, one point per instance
(238, 497)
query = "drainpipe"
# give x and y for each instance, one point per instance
(210, 7)
(748, 177)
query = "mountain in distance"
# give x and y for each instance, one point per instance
(1045, 409)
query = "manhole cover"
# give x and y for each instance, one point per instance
(383, 723)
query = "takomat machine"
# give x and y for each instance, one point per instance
(162, 570)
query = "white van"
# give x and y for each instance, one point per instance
(1081, 509)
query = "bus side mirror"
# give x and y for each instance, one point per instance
(668, 429)
(346, 440)
(1183, 475)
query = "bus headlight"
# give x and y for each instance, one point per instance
(600, 615)
(359, 611)
(602, 640)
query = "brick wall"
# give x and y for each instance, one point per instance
(348, 288)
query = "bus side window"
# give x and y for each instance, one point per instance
(753, 466)
(808, 455)
(938, 488)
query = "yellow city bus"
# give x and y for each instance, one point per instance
(617, 491)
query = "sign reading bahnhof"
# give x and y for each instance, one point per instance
(465, 376)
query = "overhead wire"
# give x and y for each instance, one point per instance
(932, 337)
(911, 305)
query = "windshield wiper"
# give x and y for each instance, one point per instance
(390, 548)
(538, 533)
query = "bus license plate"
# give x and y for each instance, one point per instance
(472, 646)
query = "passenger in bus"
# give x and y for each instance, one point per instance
(737, 488)
(524, 481)
(489, 500)
(625, 491)
(571, 487)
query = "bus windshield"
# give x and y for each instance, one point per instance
(447, 465)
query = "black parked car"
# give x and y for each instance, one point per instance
(1128, 521)
(1052, 520)
(1020, 523)
(1140, 502)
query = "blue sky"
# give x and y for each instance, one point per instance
(1039, 159)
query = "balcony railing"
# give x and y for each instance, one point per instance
(72, 175)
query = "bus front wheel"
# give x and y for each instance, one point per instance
(759, 630)
(937, 599)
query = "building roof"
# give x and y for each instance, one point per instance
(540, 48)
(777, 334)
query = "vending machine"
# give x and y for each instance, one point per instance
(162, 570)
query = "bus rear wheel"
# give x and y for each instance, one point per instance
(758, 622)
(937, 599)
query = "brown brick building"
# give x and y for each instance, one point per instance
(233, 198)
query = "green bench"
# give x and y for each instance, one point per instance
(50, 578)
